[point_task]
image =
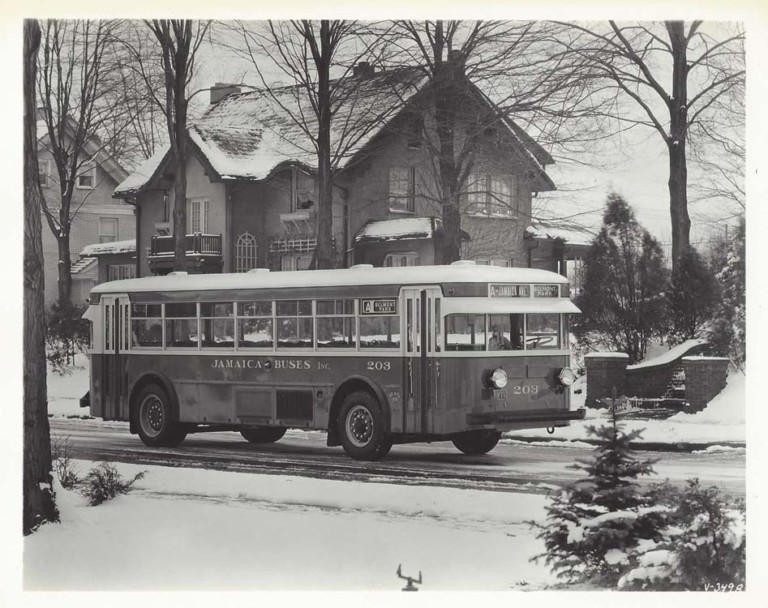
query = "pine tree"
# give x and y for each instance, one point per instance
(692, 296)
(623, 301)
(594, 526)
(727, 331)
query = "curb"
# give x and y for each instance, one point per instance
(645, 446)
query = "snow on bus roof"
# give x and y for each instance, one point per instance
(463, 272)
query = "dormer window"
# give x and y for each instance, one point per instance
(302, 190)
(87, 179)
(45, 172)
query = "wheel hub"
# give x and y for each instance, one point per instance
(359, 426)
(153, 415)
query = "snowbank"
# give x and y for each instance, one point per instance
(195, 530)
(65, 390)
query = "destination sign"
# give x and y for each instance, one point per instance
(546, 291)
(386, 306)
(506, 290)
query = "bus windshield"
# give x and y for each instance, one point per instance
(494, 332)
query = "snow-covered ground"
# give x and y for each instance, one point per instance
(192, 529)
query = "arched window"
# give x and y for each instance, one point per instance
(245, 252)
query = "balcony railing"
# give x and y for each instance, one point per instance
(198, 244)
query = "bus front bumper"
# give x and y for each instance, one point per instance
(551, 417)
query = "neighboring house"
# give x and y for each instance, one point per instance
(98, 218)
(252, 188)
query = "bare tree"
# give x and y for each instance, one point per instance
(483, 73)
(73, 80)
(325, 103)
(39, 498)
(179, 41)
(675, 75)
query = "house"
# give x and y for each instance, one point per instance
(252, 187)
(97, 216)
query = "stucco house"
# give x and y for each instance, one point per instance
(252, 187)
(97, 216)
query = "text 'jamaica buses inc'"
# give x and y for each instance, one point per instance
(259, 364)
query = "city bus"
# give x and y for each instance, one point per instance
(373, 356)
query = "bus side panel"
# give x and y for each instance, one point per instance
(262, 389)
(531, 386)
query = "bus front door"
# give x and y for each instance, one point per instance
(115, 338)
(422, 341)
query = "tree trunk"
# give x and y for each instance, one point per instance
(64, 266)
(38, 495)
(678, 132)
(447, 94)
(179, 151)
(324, 249)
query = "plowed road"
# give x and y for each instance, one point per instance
(511, 466)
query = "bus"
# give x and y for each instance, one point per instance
(373, 356)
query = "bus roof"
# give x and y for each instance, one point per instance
(361, 275)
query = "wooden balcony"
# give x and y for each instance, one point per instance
(203, 253)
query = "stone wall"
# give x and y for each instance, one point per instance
(705, 377)
(605, 372)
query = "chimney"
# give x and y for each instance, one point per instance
(221, 89)
(363, 69)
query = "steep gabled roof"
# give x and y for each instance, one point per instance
(246, 136)
(93, 147)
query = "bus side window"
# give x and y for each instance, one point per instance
(380, 332)
(146, 325)
(217, 324)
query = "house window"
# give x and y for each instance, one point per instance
(45, 172)
(122, 271)
(407, 258)
(197, 215)
(491, 195)
(296, 262)
(107, 229)
(402, 188)
(245, 252)
(505, 263)
(302, 190)
(87, 179)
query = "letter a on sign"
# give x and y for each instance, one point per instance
(368, 306)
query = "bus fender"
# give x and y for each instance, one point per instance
(350, 385)
(153, 377)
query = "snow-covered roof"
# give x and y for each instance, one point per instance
(552, 229)
(128, 246)
(142, 174)
(463, 272)
(669, 356)
(607, 355)
(246, 136)
(82, 265)
(397, 230)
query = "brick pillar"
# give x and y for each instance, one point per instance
(705, 377)
(605, 371)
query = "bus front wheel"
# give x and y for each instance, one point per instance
(361, 427)
(477, 442)
(263, 434)
(156, 426)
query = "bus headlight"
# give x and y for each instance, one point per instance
(566, 376)
(498, 378)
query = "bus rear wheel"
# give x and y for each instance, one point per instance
(477, 442)
(263, 434)
(156, 426)
(361, 427)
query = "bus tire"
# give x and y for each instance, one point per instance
(263, 434)
(477, 442)
(154, 418)
(361, 427)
